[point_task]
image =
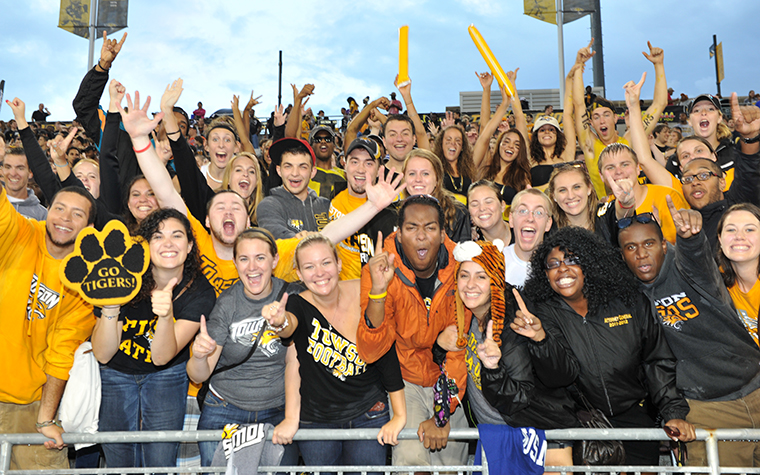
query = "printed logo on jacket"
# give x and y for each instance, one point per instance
(675, 309)
(334, 352)
(245, 332)
(46, 300)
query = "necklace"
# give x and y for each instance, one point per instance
(212, 178)
(454, 183)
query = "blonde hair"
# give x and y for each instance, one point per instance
(257, 195)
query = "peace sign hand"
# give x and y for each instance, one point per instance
(381, 267)
(525, 323)
(488, 351)
(203, 345)
(688, 222)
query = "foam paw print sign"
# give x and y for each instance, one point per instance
(106, 266)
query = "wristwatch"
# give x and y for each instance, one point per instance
(754, 139)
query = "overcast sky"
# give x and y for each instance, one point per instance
(349, 48)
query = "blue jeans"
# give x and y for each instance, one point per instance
(133, 402)
(347, 452)
(217, 412)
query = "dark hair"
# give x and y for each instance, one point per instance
(221, 192)
(560, 217)
(488, 184)
(400, 118)
(149, 226)
(15, 150)
(424, 200)
(605, 274)
(184, 114)
(706, 162)
(659, 128)
(465, 165)
(653, 224)
(446, 199)
(537, 151)
(702, 140)
(81, 191)
(724, 263)
(517, 172)
(256, 233)
(129, 218)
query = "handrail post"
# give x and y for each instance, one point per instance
(713, 460)
(5, 457)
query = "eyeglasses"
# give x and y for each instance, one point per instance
(568, 261)
(323, 138)
(643, 218)
(537, 213)
(704, 176)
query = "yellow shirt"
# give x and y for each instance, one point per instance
(747, 306)
(221, 273)
(593, 166)
(354, 249)
(42, 322)
(656, 198)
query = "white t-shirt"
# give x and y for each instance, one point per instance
(515, 269)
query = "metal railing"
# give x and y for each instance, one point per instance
(711, 439)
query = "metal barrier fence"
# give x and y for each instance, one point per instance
(711, 438)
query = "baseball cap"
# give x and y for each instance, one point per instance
(367, 144)
(546, 120)
(321, 128)
(705, 97)
(287, 143)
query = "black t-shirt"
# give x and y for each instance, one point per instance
(427, 288)
(139, 322)
(337, 385)
(457, 184)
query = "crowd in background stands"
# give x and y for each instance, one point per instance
(389, 270)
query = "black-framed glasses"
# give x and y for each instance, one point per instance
(703, 176)
(643, 218)
(568, 261)
(323, 138)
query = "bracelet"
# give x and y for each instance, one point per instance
(49, 423)
(110, 317)
(378, 296)
(281, 327)
(754, 139)
(143, 150)
(172, 133)
(61, 166)
(101, 67)
(628, 207)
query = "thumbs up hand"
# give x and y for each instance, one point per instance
(161, 300)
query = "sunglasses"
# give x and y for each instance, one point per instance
(568, 261)
(643, 218)
(704, 176)
(326, 139)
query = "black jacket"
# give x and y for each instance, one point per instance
(616, 357)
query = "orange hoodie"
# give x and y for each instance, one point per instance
(411, 326)
(42, 322)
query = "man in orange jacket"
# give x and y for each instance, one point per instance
(408, 298)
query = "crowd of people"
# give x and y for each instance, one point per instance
(389, 272)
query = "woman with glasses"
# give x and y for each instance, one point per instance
(592, 329)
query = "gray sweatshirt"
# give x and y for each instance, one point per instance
(30, 207)
(285, 215)
(717, 358)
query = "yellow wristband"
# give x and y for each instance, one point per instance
(378, 296)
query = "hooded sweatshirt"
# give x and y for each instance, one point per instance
(30, 207)
(717, 358)
(285, 215)
(43, 323)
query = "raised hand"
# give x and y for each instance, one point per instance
(385, 190)
(405, 88)
(307, 90)
(512, 76)
(688, 222)
(59, 145)
(110, 50)
(448, 121)
(19, 110)
(279, 115)
(136, 121)
(584, 54)
(161, 300)
(381, 267)
(235, 103)
(252, 102)
(432, 128)
(489, 351)
(274, 313)
(746, 118)
(525, 323)
(656, 55)
(622, 189)
(486, 79)
(503, 126)
(171, 96)
(633, 91)
(116, 93)
(203, 345)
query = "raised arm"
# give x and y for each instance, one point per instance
(110, 185)
(293, 126)
(520, 123)
(660, 100)
(656, 173)
(139, 126)
(568, 122)
(419, 128)
(240, 125)
(485, 99)
(361, 118)
(481, 145)
(582, 121)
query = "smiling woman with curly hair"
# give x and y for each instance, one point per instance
(592, 328)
